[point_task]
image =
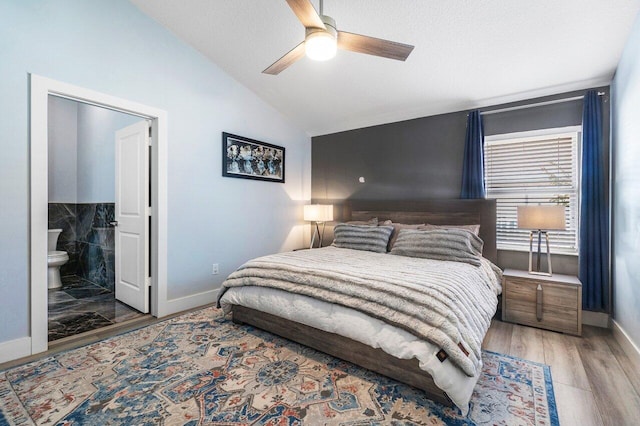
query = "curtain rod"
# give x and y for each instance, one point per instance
(515, 108)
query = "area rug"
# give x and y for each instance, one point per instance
(201, 369)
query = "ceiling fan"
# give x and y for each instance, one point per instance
(322, 39)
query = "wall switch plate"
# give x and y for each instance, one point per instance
(215, 269)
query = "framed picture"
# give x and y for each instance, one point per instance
(250, 159)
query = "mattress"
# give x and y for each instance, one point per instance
(357, 325)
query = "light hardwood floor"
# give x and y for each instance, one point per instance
(595, 382)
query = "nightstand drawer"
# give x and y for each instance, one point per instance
(553, 317)
(552, 294)
(550, 302)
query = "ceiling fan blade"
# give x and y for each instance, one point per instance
(373, 46)
(283, 63)
(306, 13)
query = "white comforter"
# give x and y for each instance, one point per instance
(358, 326)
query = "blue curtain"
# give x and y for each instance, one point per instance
(473, 165)
(594, 220)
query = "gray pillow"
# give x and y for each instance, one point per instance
(471, 228)
(396, 230)
(362, 237)
(371, 222)
(455, 245)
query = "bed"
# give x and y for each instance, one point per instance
(365, 339)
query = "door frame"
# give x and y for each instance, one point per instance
(40, 89)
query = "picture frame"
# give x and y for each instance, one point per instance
(246, 158)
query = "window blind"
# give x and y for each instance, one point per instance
(540, 171)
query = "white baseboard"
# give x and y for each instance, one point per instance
(189, 302)
(628, 346)
(596, 319)
(14, 349)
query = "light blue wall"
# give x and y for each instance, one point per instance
(96, 152)
(63, 150)
(625, 108)
(111, 47)
(82, 151)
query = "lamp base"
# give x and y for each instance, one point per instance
(537, 270)
(316, 231)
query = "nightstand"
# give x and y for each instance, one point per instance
(553, 303)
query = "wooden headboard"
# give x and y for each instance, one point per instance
(435, 212)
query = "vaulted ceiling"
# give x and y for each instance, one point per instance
(467, 53)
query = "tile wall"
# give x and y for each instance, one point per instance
(88, 239)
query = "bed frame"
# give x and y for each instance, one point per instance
(436, 212)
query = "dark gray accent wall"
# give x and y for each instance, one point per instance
(413, 159)
(543, 117)
(422, 158)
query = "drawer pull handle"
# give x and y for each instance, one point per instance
(539, 302)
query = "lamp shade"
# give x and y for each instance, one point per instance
(318, 212)
(541, 217)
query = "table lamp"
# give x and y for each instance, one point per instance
(540, 219)
(318, 213)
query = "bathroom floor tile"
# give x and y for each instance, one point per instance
(61, 309)
(69, 281)
(81, 306)
(101, 298)
(74, 281)
(116, 312)
(75, 324)
(84, 292)
(56, 296)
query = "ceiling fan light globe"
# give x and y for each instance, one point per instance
(320, 46)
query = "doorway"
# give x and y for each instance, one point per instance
(154, 267)
(85, 183)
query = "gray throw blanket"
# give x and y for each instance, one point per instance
(450, 304)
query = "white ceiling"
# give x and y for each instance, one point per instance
(467, 53)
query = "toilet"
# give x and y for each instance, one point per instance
(55, 259)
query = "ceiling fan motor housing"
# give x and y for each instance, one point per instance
(330, 25)
(320, 44)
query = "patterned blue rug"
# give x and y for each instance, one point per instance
(200, 369)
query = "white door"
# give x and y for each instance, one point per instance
(131, 215)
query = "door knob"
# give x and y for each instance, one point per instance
(113, 223)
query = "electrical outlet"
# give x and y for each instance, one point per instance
(214, 270)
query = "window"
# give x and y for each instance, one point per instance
(540, 169)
